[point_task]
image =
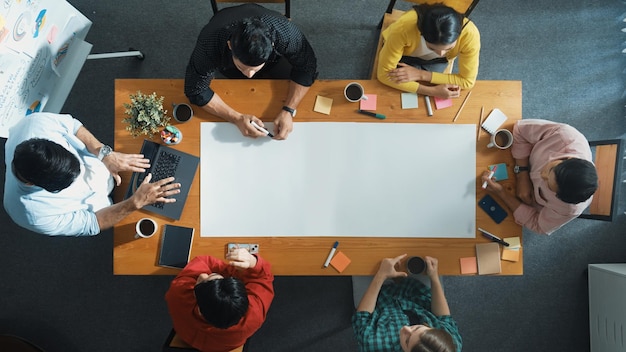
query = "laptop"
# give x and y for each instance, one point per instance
(166, 162)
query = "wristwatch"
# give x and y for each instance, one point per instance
(104, 151)
(290, 110)
(517, 169)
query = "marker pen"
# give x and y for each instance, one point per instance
(493, 172)
(493, 237)
(261, 129)
(429, 108)
(330, 255)
(368, 113)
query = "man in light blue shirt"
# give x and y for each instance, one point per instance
(59, 176)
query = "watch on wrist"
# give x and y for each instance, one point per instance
(517, 169)
(105, 150)
(290, 110)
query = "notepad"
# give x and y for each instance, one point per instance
(369, 103)
(468, 265)
(488, 258)
(323, 105)
(512, 252)
(176, 244)
(501, 173)
(409, 100)
(340, 261)
(495, 119)
(441, 103)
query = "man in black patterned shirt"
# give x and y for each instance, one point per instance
(250, 41)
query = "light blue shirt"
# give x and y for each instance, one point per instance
(72, 211)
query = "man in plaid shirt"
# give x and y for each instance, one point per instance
(405, 315)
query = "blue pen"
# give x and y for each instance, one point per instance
(330, 255)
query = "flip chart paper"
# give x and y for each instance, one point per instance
(340, 179)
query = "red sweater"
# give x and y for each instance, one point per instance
(190, 325)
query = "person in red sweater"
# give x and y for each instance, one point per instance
(216, 306)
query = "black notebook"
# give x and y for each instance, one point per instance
(175, 246)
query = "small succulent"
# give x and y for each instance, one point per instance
(145, 114)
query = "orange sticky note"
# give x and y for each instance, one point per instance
(340, 261)
(511, 255)
(370, 103)
(469, 265)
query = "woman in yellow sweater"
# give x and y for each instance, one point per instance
(419, 46)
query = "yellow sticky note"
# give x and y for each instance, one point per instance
(511, 255)
(323, 105)
(514, 242)
(340, 261)
(468, 265)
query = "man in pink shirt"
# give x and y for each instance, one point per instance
(216, 306)
(555, 176)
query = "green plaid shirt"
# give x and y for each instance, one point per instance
(379, 331)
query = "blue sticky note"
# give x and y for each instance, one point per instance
(501, 173)
(409, 100)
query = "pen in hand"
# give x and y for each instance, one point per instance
(255, 125)
(491, 173)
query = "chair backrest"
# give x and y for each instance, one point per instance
(464, 7)
(174, 343)
(608, 157)
(286, 2)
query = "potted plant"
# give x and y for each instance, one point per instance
(145, 114)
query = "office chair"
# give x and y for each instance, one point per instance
(287, 4)
(174, 343)
(391, 15)
(608, 158)
(17, 344)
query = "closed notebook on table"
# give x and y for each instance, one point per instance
(488, 258)
(176, 244)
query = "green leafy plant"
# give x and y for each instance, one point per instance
(145, 114)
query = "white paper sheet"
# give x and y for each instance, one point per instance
(340, 179)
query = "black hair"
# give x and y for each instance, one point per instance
(222, 302)
(439, 24)
(435, 340)
(577, 180)
(251, 42)
(45, 164)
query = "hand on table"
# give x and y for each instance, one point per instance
(432, 267)
(116, 162)
(446, 91)
(387, 268)
(492, 185)
(244, 124)
(283, 125)
(159, 191)
(241, 258)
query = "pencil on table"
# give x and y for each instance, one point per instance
(462, 105)
(480, 121)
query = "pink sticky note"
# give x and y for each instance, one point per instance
(441, 103)
(370, 103)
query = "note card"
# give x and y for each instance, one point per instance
(495, 119)
(468, 265)
(441, 103)
(340, 261)
(323, 105)
(501, 174)
(511, 255)
(488, 258)
(409, 100)
(370, 103)
(514, 242)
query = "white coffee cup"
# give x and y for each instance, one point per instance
(502, 139)
(354, 92)
(182, 112)
(145, 228)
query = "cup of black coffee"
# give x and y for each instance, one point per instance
(354, 92)
(182, 112)
(502, 139)
(415, 265)
(145, 228)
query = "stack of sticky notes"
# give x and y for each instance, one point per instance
(511, 253)
(501, 174)
(488, 258)
(323, 105)
(340, 261)
(468, 265)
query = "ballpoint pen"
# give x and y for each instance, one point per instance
(491, 173)
(261, 129)
(493, 237)
(372, 114)
(330, 255)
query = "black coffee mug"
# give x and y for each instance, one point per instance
(415, 265)
(182, 112)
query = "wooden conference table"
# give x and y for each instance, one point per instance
(306, 255)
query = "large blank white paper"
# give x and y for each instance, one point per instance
(340, 179)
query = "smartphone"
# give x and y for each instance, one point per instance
(492, 208)
(253, 248)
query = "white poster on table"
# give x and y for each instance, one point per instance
(341, 180)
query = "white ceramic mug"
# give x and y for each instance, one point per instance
(354, 92)
(145, 228)
(182, 112)
(502, 139)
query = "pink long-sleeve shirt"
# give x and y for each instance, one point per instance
(541, 142)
